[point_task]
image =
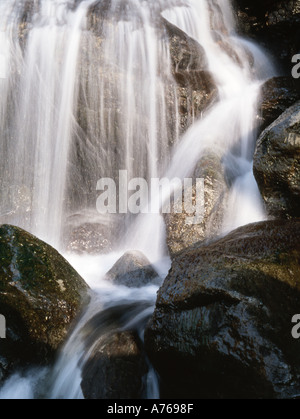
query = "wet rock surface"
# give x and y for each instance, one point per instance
(115, 369)
(196, 88)
(181, 233)
(89, 238)
(277, 95)
(116, 364)
(277, 165)
(133, 270)
(274, 24)
(40, 296)
(222, 324)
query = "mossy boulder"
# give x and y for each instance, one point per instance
(223, 319)
(40, 296)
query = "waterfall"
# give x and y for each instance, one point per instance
(75, 93)
(86, 90)
(41, 86)
(230, 127)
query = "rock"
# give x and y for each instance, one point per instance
(274, 24)
(196, 88)
(222, 324)
(186, 53)
(277, 165)
(40, 296)
(115, 368)
(277, 95)
(89, 238)
(115, 364)
(180, 234)
(132, 270)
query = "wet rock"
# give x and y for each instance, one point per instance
(277, 95)
(40, 296)
(115, 362)
(277, 165)
(90, 238)
(196, 88)
(186, 53)
(115, 368)
(274, 24)
(182, 234)
(222, 324)
(133, 270)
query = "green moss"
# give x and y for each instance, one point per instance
(40, 294)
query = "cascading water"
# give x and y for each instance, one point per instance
(86, 90)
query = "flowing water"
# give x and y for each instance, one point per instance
(87, 90)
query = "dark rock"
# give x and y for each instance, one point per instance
(40, 296)
(115, 368)
(274, 24)
(115, 363)
(277, 164)
(277, 95)
(180, 233)
(133, 270)
(222, 324)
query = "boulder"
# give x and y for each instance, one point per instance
(115, 368)
(133, 270)
(222, 323)
(181, 234)
(277, 95)
(115, 363)
(277, 165)
(40, 296)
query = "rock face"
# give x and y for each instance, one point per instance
(40, 296)
(277, 95)
(196, 88)
(115, 368)
(277, 164)
(133, 270)
(274, 24)
(180, 234)
(222, 324)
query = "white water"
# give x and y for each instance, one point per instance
(52, 160)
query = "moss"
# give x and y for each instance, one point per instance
(40, 295)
